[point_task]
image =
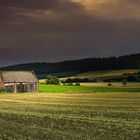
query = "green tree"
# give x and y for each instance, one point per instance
(124, 82)
(52, 80)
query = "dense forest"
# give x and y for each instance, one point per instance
(77, 66)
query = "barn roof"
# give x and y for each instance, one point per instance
(18, 76)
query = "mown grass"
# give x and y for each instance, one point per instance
(83, 89)
(114, 84)
(70, 116)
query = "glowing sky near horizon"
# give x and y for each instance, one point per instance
(56, 30)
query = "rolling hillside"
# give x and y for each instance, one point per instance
(68, 68)
(106, 73)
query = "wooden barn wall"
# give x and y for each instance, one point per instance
(21, 87)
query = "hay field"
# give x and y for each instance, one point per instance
(70, 116)
(114, 84)
(104, 74)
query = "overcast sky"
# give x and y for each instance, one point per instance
(55, 30)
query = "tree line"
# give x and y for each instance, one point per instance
(78, 66)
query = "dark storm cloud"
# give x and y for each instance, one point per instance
(53, 30)
(40, 5)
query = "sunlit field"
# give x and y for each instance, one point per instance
(114, 84)
(90, 88)
(70, 116)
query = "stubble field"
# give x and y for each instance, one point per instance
(70, 116)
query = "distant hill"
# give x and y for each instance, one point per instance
(68, 68)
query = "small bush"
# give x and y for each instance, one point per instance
(131, 78)
(70, 84)
(138, 72)
(109, 84)
(2, 90)
(77, 84)
(63, 84)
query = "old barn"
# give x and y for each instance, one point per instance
(19, 81)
